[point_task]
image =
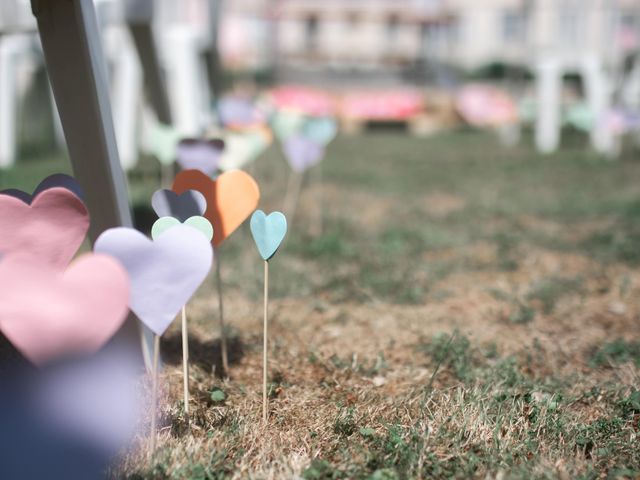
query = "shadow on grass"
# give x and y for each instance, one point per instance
(207, 355)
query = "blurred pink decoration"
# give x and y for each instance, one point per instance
(304, 100)
(628, 38)
(620, 121)
(50, 229)
(382, 105)
(47, 314)
(485, 106)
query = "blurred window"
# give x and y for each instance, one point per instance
(570, 23)
(353, 18)
(311, 32)
(393, 26)
(514, 26)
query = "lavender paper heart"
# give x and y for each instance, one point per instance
(302, 152)
(164, 273)
(200, 154)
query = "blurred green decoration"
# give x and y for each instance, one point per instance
(244, 147)
(287, 123)
(163, 143)
(579, 116)
(527, 110)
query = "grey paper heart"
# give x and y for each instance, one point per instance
(167, 203)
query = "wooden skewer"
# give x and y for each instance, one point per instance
(265, 344)
(292, 195)
(223, 333)
(154, 395)
(185, 362)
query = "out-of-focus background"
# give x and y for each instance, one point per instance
(432, 64)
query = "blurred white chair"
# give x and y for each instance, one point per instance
(126, 79)
(16, 63)
(185, 35)
(598, 90)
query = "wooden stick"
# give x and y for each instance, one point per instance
(154, 394)
(316, 228)
(292, 195)
(223, 333)
(264, 344)
(185, 361)
(167, 176)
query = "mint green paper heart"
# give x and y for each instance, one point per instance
(163, 143)
(321, 130)
(268, 232)
(285, 124)
(165, 223)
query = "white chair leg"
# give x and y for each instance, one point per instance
(8, 101)
(548, 84)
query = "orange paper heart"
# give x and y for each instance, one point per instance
(231, 198)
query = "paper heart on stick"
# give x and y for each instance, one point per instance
(47, 314)
(244, 147)
(321, 130)
(302, 153)
(199, 223)
(231, 198)
(286, 124)
(200, 154)
(268, 232)
(55, 180)
(164, 273)
(50, 229)
(239, 112)
(167, 203)
(163, 143)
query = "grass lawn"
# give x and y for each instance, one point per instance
(467, 311)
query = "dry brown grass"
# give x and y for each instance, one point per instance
(487, 371)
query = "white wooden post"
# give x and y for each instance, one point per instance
(75, 63)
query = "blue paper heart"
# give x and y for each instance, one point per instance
(268, 232)
(321, 130)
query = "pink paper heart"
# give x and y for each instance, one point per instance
(164, 273)
(49, 230)
(48, 314)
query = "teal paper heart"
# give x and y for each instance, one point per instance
(321, 130)
(165, 223)
(268, 232)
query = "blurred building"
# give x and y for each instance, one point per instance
(382, 34)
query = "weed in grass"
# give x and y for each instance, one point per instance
(550, 290)
(617, 351)
(451, 352)
(321, 470)
(507, 244)
(523, 314)
(630, 406)
(345, 424)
